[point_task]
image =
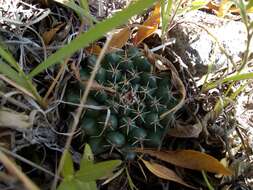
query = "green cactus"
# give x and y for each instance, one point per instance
(140, 97)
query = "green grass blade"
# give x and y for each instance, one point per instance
(85, 5)
(12, 70)
(166, 8)
(12, 74)
(78, 10)
(233, 78)
(93, 34)
(19, 79)
(9, 58)
(241, 5)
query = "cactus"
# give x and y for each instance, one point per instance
(140, 97)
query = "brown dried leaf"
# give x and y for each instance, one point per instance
(176, 81)
(49, 35)
(183, 130)
(212, 6)
(165, 173)
(224, 8)
(94, 49)
(190, 159)
(149, 26)
(119, 39)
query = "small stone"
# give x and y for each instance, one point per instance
(197, 48)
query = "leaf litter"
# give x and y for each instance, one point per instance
(188, 133)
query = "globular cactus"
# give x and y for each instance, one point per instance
(140, 97)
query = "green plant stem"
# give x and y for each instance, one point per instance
(10, 59)
(246, 53)
(234, 78)
(210, 187)
(245, 59)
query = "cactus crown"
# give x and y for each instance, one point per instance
(140, 97)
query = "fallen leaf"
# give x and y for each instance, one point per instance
(190, 159)
(212, 6)
(94, 49)
(149, 26)
(119, 39)
(49, 35)
(165, 173)
(221, 9)
(236, 10)
(14, 120)
(182, 130)
(224, 7)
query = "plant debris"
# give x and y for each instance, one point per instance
(148, 119)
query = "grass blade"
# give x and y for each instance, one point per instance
(12, 74)
(85, 5)
(9, 58)
(166, 9)
(93, 34)
(233, 78)
(78, 10)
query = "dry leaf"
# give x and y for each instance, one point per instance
(176, 81)
(165, 173)
(149, 26)
(94, 49)
(190, 159)
(75, 70)
(212, 6)
(49, 35)
(224, 7)
(119, 39)
(182, 130)
(14, 120)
